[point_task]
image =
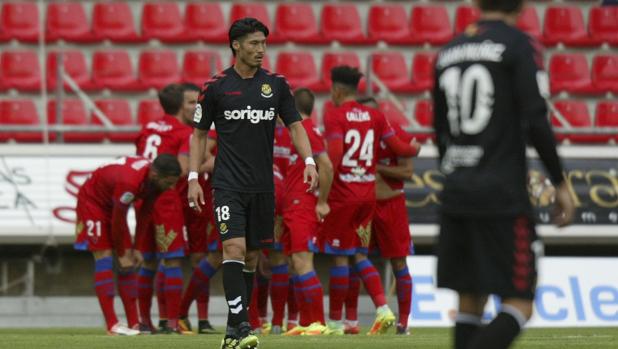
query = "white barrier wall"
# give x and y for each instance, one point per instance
(571, 292)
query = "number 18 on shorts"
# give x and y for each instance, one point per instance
(245, 215)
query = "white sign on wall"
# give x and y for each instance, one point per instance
(570, 292)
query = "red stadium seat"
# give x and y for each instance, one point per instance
(20, 20)
(528, 21)
(162, 20)
(570, 73)
(576, 115)
(464, 16)
(200, 66)
(20, 70)
(393, 114)
(333, 59)
(606, 115)
(389, 23)
(390, 68)
(298, 68)
(158, 68)
(204, 21)
(114, 21)
(423, 114)
(422, 71)
(605, 73)
(74, 114)
(74, 65)
(149, 110)
(565, 24)
(430, 24)
(603, 24)
(297, 22)
(256, 10)
(19, 112)
(341, 22)
(113, 70)
(68, 21)
(118, 111)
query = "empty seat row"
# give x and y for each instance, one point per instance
(294, 22)
(113, 69)
(570, 73)
(118, 111)
(24, 112)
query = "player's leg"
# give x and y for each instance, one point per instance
(173, 291)
(189, 294)
(468, 319)
(145, 291)
(403, 282)
(373, 284)
(104, 285)
(279, 284)
(339, 282)
(309, 294)
(160, 291)
(208, 267)
(511, 248)
(351, 303)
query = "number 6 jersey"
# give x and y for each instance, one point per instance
(165, 136)
(488, 103)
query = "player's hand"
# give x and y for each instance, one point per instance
(310, 176)
(138, 258)
(416, 145)
(564, 211)
(126, 261)
(196, 195)
(322, 210)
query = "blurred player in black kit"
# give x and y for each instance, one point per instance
(489, 102)
(244, 101)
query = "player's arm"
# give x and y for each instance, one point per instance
(399, 147)
(209, 164)
(325, 181)
(202, 120)
(440, 125)
(531, 89)
(291, 118)
(122, 199)
(403, 170)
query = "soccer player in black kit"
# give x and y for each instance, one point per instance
(243, 102)
(489, 103)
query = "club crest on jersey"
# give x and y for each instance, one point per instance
(267, 91)
(223, 228)
(197, 114)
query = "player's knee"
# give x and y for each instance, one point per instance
(102, 254)
(276, 258)
(173, 262)
(301, 264)
(215, 259)
(150, 264)
(196, 258)
(251, 260)
(398, 264)
(520, 308)
(233, 250)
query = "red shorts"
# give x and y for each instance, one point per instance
(93, 228)
(199, 225)
(347, 229)
(160, 227)
(391, 232)
(300, 226)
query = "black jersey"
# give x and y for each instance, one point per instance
(245, 112)
(489, 102)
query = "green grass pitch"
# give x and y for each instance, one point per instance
(429, 338)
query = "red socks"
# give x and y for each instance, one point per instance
(145, 279)
(279, 292)
(173, 293)
(371, 281)
(404, 295)
(127, 289)
(160, 289)
(104, 288)
(310, 298)
(338, 290)
(351, 301)
(198, 289)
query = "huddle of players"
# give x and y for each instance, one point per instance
(339, 224)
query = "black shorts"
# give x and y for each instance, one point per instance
(485, 256)
(245, 215)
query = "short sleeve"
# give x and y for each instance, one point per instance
(383, 127)
(205, 109)
(403, 135)
(185, 146)
(317, 144)
(332, 126)
(287, 107)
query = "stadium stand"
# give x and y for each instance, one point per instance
(122, 50)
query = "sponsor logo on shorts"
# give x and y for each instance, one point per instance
(164, 239)
(364, 234)
(79, 227)
(223, 228)
(267, 91)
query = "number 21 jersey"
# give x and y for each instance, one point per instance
(361, 128)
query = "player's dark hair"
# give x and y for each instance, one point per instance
(304, 100)
(346, 75)
(171, 98)
(505, 6)
(367, 100)
(244, 26)
(189, 86)
(166, 165)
